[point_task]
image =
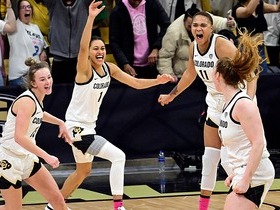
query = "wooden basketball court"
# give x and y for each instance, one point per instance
(272, 202)
(143, 190)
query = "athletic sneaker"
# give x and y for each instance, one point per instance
(49, 207)
(121, 208)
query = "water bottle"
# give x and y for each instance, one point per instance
(161, 161)
(162, 182)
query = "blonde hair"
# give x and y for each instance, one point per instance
(34, 66)
(245, 66)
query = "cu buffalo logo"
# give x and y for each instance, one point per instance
(77, 130)
(4, 164)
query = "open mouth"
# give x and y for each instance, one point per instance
(199, 36)
(99, 57)
(26, 15)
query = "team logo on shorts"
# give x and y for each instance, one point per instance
(77, 130)
(5, 164)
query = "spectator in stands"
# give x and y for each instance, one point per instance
(222, 7)
(6, 26)
(205, 51)
(19, 154)
(67, 19)
(26, 41)
(272, 36)
(134, 37)
(72, 16)
(241, 129)
(41, 16)
(249, 14)
(91, 84)
(174, 53)
(176, 8)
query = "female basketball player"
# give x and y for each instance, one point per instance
(241, 130)
(18, 150)
(206, 49)
(91, 83)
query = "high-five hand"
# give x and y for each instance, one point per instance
(93, 8)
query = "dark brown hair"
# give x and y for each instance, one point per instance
(93, 38)
(205, 14)
(191, 11)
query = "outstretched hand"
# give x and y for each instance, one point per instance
(63, 133)
(164, 78)
(93, 8)
(165, 99)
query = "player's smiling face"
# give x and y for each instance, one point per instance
(43, 81)
(97, 52)
(201, 29)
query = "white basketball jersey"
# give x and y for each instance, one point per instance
(233, 136)
(7, 141)
(87, 98)
(205, 64)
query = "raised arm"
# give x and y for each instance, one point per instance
(10, 25)
(246, 11)
(269, 8)
(83, 61)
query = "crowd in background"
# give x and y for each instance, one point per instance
(159, 45)
(177, 39)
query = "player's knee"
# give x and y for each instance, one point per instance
(120, 157)
(56, 199)
(210, 160)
